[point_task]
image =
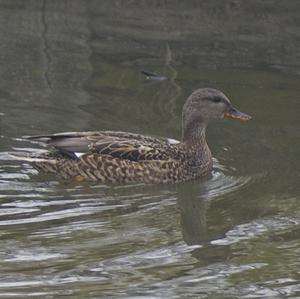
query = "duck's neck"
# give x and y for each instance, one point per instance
(198, 152)
(194, 135)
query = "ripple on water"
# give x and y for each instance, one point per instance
(221, 183)
(59, 236)
(254, 229)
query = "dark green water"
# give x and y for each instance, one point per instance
(75, 65)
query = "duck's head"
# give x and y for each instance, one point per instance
(206, 104)
(203, 106)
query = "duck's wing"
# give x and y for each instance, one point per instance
(132, 150)
(121, 145)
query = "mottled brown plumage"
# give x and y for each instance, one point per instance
(121, 157)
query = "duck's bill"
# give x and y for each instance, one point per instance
(236, 114)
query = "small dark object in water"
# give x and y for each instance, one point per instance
(153, 76)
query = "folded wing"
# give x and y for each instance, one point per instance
(129, 146)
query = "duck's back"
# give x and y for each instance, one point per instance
(108, 156)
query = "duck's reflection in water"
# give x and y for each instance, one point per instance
(193, 211)
(201, 216)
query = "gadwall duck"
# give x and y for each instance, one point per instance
(121, 157)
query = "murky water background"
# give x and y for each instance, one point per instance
(75, 65)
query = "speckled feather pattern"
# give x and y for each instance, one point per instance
(120, 157)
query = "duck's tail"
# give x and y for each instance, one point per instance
(41, 161)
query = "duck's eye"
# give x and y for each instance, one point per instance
(216, 99)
